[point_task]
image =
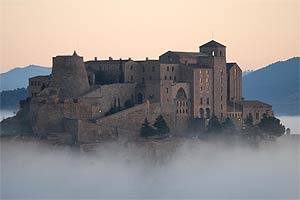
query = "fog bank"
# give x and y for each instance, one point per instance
(195, 170)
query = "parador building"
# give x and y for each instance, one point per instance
(99, 99)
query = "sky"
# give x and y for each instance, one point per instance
(256, 32)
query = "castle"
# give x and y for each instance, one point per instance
(101, 99)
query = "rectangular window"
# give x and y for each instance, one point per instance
(207, 101)
(207, 80)
(221, 98)
(165, 77)
(131, 78)
(167, 90)
(257, 116)
(201, 89)
(131, 67)
(174, 78)
(201, 101)
(221, 107)
(207, 71)
(172, 69)
(168, 68)
(170, 77)
(153, 69)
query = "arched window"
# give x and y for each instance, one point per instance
(213, 53)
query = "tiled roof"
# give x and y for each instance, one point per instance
(188, 54)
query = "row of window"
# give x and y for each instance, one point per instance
(35, 83)
(206, 71)
(33, 94)
(235, 115)
(153, 68)
(207, 88)
(170, 78)
(206, 80)
(182, 103)
(182, 111)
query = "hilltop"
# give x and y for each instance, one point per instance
(276, 84)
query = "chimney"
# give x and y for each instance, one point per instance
(129, 58)
(110, 58)
(95, 58)
(146, 58)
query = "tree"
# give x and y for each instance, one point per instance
(161, 125)
(271, 126)
(146, 129)
(228, 126)
(214, 126)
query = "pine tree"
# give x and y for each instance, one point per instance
(228, 126)
(214, 126)
(161, 125)
(271, 126)
(146, 129)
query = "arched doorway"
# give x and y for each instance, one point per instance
(207, 113)
(140, 98)
(201, 113)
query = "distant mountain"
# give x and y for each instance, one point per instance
(276, 84)
(18, 77)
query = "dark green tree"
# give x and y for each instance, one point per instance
(161, 125)
(228, 126)
(271, 126)
(146, 129)
(214, 125)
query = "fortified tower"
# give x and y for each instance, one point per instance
(217, 61)
(69, 78)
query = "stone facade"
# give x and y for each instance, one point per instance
(37, 84)
(181, 86)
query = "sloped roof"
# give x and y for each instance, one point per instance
(253, 103)
(229, 65)
(212, 43)
(188, 54)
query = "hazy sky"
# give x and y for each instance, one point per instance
(256, 32)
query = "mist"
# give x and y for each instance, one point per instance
(195, 169)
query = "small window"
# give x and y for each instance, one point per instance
(201, 89)
(131, 78)
(172, 69)
(200, 80)
(170, 77)
(234, 72)
(153, 69)
(207, 101)
(201, 101)
(221, 107)
(221, 98)
(174, 78)
(207, 80)
(143, 80)
(167, 90)
(166, 77)
(207, 88)
(168, 68)
(186, 111)
(131, 67)
(200, 71)
(143, 69)
(207, 71)
(183, 111)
